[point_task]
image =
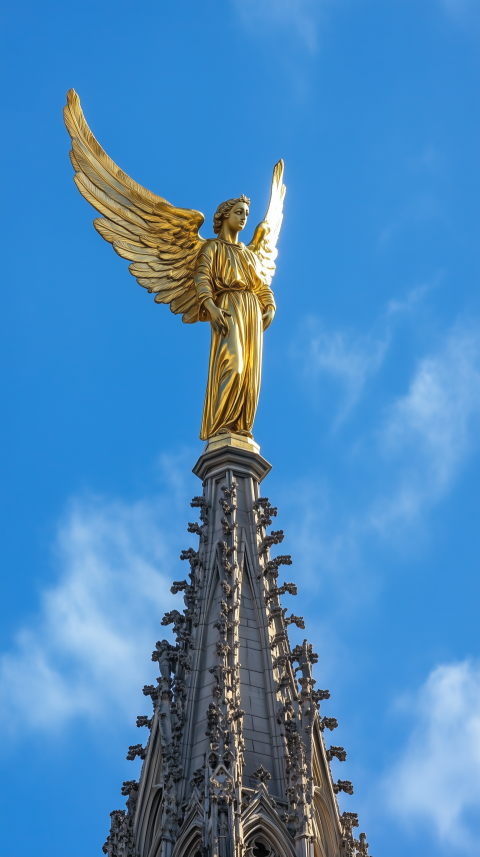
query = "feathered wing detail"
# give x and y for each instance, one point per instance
(264, 242)
(161, 241)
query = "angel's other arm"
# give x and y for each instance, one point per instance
(261, 231)
(267, 303)
(203, 285)
(268, 316)
(204, 273)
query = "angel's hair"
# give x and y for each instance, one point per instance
(224, 210)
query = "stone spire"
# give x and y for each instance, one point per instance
(236, 764)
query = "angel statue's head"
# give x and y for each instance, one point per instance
(234, 212)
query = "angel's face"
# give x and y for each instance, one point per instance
(237, 219)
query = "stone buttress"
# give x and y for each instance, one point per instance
(236, 764)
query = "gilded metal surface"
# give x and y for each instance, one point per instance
(219, 280)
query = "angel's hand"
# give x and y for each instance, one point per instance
(261, 231)
(217, 317)
(268, 316)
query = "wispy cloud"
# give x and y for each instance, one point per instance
(411, 302)
(87, 652)
(422, 443)
(430, 431)
(348, 358)
(352, 358)
(436, 780)
(298, 15)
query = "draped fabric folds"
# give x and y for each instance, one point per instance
(230, 274)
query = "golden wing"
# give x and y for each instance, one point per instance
(160, 240)
(264, 242)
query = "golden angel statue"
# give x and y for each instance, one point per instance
(219, 280)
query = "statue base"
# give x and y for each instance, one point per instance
(239, 441)
(234, 452)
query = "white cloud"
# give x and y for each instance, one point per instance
(430, 430)
(410, 303)
(436, 780)
(87, 653)
(301, 15)
(349, 359)
(414, 459)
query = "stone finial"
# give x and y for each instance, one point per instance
(349, 820)
(191, 555)
(328, 723)
(343, 786)
(227, 509)
(173, 616)
(295, 620)
(319, 695)
(129, 786)
(136, 750)
(272, 566)
(274, 538)
(228, 528)
(363, 845)
(261, 774)
(230, 491)
(198, 778)
(198, 503)
(339, 752)
(275, 591)
(265, 512)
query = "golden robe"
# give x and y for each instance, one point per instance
(230, 274)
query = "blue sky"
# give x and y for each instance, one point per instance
(370, 394)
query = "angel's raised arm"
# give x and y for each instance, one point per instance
(160, 240)
(265, 237)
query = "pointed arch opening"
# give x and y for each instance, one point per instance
(267, 838)
(153, 821)
(327, 839)
(260, 846)
(191, 846)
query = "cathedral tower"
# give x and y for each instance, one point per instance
(236, 763)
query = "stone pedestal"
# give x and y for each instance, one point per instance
(236, 761)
